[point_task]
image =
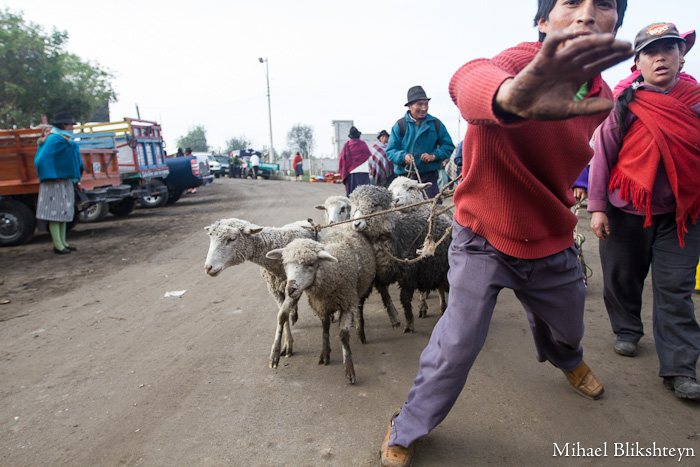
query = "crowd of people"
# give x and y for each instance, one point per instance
(532, 112)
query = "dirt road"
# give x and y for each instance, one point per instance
(97, 367)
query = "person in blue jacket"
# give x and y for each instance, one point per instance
(59, 166)
(421, 138)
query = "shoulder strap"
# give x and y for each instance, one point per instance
(402, 126)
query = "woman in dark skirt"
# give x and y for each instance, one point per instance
(59, 166)
(353, 163)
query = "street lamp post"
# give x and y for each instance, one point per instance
(269, 106)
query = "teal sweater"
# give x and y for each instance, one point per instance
(417, 141)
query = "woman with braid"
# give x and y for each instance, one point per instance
(645, 201)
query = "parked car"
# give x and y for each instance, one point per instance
(214, 166)
(225, 164)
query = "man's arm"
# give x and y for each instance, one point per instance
(447, 147)
(545, 88)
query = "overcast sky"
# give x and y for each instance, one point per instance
(189, 63)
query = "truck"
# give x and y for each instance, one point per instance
(19, 181)
(140, 158)
(265, 169)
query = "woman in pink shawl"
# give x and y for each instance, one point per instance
(353, 162)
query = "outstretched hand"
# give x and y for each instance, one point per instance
(545, 88)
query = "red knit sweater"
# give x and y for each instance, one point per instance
(518, 174)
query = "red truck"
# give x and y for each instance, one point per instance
(19, 182)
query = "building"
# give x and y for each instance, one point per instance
(341, 128)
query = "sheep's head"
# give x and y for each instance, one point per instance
(229, 244)
(337, 209)
(368, 199)
(407, 191)
(301, 259)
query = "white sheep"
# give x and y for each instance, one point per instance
(336, 275)
(406, 191)
(395, 235)
(234, 241)
(336, 209)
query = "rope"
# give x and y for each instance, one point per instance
(429, 245)
(579, 240)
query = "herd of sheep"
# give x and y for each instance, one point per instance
(338, 270)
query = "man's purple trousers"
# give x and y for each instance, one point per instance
(552, 292)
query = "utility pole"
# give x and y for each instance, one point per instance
(269, 106)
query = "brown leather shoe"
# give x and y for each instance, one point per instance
(395, 456)
(584, 382)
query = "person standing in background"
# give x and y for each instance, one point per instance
(59, 165)
(381, 171)
(298, 164)
(353, 163)
(419, 138)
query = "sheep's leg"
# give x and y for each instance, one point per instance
(389, 305)
(360, 326)
(423, 307)
(406, 297)
(443, 299)
(326, 348)
(292, 309)
(345, 325)
(282, 322)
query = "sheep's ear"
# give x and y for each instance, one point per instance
(423, 186)
(207, 228)
(323, 254)
(252, 230)
(321, 207)
(275, 254)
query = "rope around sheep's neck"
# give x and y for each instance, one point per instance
(429, 245)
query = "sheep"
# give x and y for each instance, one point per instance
(234, 241)
(336, 209)
(392, 234)
(336, 275)
(406, 191)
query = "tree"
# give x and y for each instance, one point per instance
(195, 139)
(237, 143)
(286, 154)
(301, 138)
(38, 76)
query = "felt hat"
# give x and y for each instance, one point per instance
(63, 118)
(354, 133)
(416, 93)
(382, 133)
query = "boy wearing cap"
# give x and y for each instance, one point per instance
(531, 111)
(645, 201)
(419, 138)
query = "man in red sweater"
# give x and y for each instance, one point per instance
(531, 111)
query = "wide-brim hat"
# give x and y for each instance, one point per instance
(689, 38)
(382, 133)
(416, 93)
(63, 118)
